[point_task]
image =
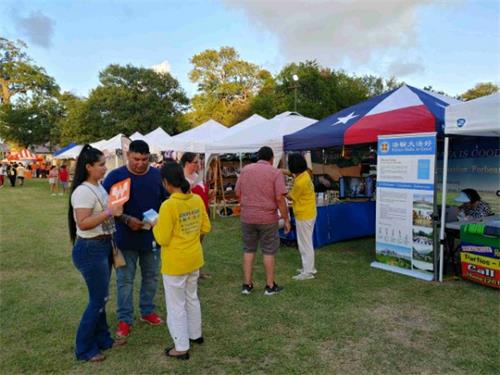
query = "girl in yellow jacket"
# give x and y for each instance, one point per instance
(181, 223)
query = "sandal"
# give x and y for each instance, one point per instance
(99, 357)
(183, 356)
(198, 341)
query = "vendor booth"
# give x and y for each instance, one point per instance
(404, 110)
(479, 239)
(247, 138)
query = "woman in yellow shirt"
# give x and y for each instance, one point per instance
(182, 221)
(304, 208)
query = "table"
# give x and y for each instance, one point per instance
(344, 221)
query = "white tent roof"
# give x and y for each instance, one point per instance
(136, 136)
(112, 144)
(478, 117)
(196, 139)
(209, 130)
(72, 153)
(245, 124)
(158, 139)
(99, 144)
(266, 133)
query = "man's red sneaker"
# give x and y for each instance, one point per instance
(152, 319)
(123, 329)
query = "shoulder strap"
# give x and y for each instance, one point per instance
(108, 224)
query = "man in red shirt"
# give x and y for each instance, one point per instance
(261, 190)
(63, 179)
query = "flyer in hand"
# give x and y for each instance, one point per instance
(119, 192)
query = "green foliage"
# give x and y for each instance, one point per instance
(18, 74)
(29, 108)
(128, 99)
(31, 121)
(226, 85)
(320, 91)
(481, 89)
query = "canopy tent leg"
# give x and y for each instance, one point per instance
(443, 207)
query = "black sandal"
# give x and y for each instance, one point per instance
(198, 341)
(183, 357)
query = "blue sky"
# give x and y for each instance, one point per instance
(450, 45)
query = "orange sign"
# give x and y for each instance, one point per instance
(119, 192)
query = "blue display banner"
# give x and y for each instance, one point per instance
(405, 205)
(405, 185)
(425, 145)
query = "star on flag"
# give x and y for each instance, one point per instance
(344, 120)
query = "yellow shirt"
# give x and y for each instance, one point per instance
(181, 221)
(303, 197)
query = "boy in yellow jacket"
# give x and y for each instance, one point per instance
(181, 223)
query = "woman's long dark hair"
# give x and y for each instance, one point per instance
(187, 157)
(174, 174)
(88, 155)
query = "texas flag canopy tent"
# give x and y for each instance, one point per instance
(403, 110)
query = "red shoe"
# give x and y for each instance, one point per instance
(152, 319)
(123, 329)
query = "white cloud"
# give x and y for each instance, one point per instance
(37, 28)
(336, 32)
(402, 68)
(162, 68)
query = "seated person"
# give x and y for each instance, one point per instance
(473, 207)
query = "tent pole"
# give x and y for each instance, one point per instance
(443, 207)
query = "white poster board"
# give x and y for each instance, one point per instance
(405, 204)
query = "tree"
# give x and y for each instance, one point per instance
(378, 85)
(31, 121)
(226, 86)
(320, 91)
(18, 74)
(128, 99)
(28, 98)
(481, 89)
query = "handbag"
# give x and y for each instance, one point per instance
(118, 258)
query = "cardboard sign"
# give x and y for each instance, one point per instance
(481, 269)
(119, 192)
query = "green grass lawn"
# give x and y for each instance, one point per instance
(352, 319)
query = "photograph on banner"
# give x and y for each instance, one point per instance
(473, 163)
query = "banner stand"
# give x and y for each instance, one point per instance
(402, 271)
(406, 205)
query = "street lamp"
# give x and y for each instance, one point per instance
(295, 78)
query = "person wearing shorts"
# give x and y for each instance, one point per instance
(261, 190)
(63, 179)
(53, 176)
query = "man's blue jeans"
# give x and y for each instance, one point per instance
(92, 259)
(149, 261)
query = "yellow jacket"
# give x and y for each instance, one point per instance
(181, 221)
(303, 197)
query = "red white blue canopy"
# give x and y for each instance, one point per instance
(403, 110)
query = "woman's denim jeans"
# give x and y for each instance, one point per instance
(92, 258)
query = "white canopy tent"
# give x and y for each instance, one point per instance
(480, 118)
(245, 124)
(72, 153)
(137, 136)
(265, 133)
(196, 139)
(158, 139)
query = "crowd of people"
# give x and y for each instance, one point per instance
(16, 174)
(179, 196)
